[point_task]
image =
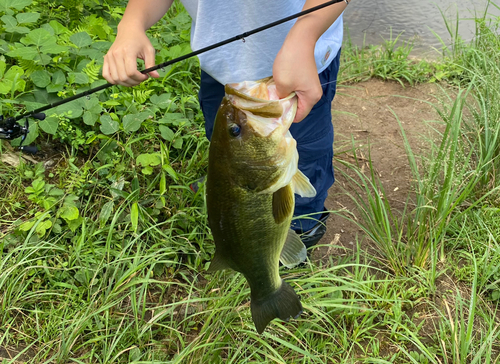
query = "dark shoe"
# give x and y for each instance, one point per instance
(311, 237)
(195, 186)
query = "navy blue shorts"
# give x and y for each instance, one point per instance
(314, 136)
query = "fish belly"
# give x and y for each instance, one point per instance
(246, 235)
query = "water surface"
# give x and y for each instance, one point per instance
(372, 21)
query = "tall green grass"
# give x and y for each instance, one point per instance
(131, 287)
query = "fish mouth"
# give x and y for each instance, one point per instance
(264, 110)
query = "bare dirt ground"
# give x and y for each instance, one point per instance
(363, 121)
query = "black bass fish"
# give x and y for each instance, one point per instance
(252, 178)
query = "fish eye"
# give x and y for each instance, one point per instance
(234, 130)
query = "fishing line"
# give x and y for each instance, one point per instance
(327, 83)
(9, 129)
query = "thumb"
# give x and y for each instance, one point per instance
(149, 61)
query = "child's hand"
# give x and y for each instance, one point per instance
(295, 70)
(120, 63)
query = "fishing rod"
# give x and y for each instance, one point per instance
(10, 129)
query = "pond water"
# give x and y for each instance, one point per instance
(371, 21)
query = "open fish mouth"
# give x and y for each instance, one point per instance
(265, 111)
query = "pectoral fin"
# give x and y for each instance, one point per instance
(294, 251)
(283, 204)
(302, 186)
(218, 263)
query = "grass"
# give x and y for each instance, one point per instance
(125, 281)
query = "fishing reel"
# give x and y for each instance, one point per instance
(10, 129)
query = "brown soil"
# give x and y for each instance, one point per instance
(366, 128)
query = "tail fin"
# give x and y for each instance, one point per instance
(282, 304)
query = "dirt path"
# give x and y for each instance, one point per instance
(362, 113)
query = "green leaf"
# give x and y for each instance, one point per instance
(147, 171)
(106, 211)
(82, 276)
(27, 53)
(42, 59)
(90, 118)
(49, 125)
(69, 212)
(178, 143)
(54, 191)
(72, 109)
(171, 172)
(13, 73)
(133, 122)
(54, 88)
(12, 81)
(19, 30)
(42, 227)
(53, 49)
(58, 78)
(81, 39)
(3, 66)
(147, 159)
(40, 78)
(134, 354)
(74, 224)
(43, 97)
(78, 77)
(162, 101)
(166, 133)
(495, 295)
(173, 119)
(5, 86)
(9, 21)
(27, 225)
(48, 28)
(39, 37)
(11, 25)
(58, 27)
(108, 125)
(25, 18)
(92, 104)
(134, 216)
(15, 4)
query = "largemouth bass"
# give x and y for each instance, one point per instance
(252, 177)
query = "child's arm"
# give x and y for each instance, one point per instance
(120, 63)
(294, 68)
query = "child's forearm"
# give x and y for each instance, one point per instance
(310, 27)
(142, 14)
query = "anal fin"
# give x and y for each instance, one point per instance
(294, 251)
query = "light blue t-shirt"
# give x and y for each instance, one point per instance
(218, 20)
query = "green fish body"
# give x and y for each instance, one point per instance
(252, 178)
